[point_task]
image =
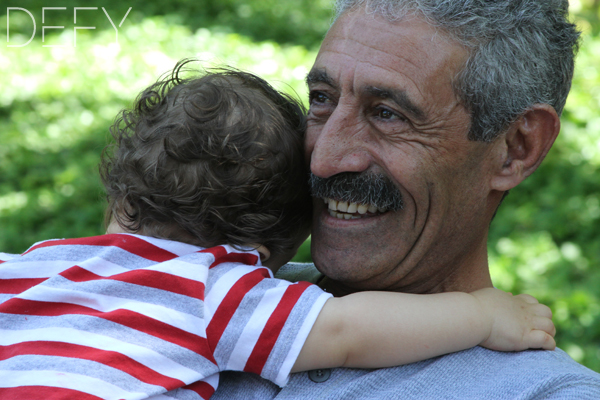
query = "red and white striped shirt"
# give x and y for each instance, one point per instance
(131, 317)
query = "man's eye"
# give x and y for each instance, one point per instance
(384, 113)
(318, 97)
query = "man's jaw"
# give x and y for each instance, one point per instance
(347, 210)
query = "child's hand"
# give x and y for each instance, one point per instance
(517, 322)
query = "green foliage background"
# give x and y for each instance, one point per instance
(56, 104)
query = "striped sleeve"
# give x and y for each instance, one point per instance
(256, 323)
(7, 256)
(115, 316)
(125, 316)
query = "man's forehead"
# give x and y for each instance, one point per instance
(408, 56)
(372, 35)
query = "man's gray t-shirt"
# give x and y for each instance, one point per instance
(476, 373)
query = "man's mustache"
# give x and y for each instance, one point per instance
(362, 188)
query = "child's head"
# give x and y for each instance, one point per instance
(209, 160)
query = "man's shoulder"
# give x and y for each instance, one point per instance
(532, 369)
(471, 374)
(476, 373)
(294, 272)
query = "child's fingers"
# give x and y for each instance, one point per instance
(527, 298)
(541, 310)
(550, 343)
(540, 340)
(544, 324)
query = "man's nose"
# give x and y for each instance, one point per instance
(340, 145)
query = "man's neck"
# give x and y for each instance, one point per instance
(473, 275)
(339, 289)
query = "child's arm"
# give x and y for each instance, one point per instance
(382, 329)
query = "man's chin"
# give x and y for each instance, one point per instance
(362, 253)
(349, 269)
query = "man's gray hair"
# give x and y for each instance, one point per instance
(521, 53)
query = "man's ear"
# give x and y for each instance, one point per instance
(525, 145)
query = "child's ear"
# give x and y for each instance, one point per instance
(265, 254)
(525, 145)
(114, 227)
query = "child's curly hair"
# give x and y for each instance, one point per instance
(217, 159)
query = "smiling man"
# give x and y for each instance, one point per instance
(382, 104)
(423, 115)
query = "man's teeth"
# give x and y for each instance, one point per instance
(345, 210)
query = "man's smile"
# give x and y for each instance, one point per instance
(346, 210)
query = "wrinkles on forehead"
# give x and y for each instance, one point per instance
(408, 61)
